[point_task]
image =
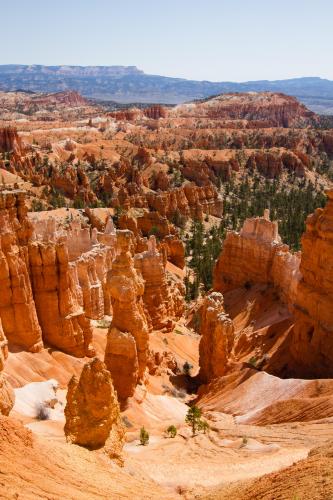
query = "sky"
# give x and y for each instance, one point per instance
(216, 40)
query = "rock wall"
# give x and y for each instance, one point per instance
(58, 299)
(9, 140)
(276, 109)
(188, 200)
(17, 307)
(257, 255)
(90, 254)
(312, 344)
(92, 411)
(7, 396)
(217, 338)
(271, 164)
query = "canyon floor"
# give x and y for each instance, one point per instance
(185, 466)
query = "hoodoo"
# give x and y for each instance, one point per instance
(92, 410)
(217, 337)
(127, 345)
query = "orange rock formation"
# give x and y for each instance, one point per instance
(57, 297)
(217, 337)
(257, 255)
(10, 141)
(17, 307)
(312, 344)
(7, 397)
(92, 410)
(159, 296)
(127, 345)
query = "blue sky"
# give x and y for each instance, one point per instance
(217, 40)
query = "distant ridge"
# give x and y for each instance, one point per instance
(126, 84)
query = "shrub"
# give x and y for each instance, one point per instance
(103, 323)
(171, 431)
(203, 426)
(144, 436)
(78, 202)
(193, 418)
(154, 231)
(36, 205)
(253, 361)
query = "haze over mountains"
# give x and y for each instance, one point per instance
(127, 84)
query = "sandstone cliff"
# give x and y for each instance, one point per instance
(7, 396)
(17, 307)
(69, 279)
(312, 344)
(274, 109)
(257, 255)
(92, 411)
(58, 299)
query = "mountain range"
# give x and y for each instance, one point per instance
(127, 84)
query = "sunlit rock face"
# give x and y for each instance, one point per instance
(17, 307)
(160, 296)
(217, 338)
(92, 410)
(58, 299)
(68, 273)
(7, 397)
(10, 141)
(257, 255)
(313, 333)
(127, 345)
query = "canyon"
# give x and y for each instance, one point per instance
(151, 260)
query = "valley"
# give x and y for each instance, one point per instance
(155, 259)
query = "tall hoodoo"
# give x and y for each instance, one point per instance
(217, 338)
(313, 333)
(127, 345)
(7, 396)
(92, 410)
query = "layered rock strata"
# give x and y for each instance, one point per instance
(69, 281)
(17, 307)
(188, 200)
